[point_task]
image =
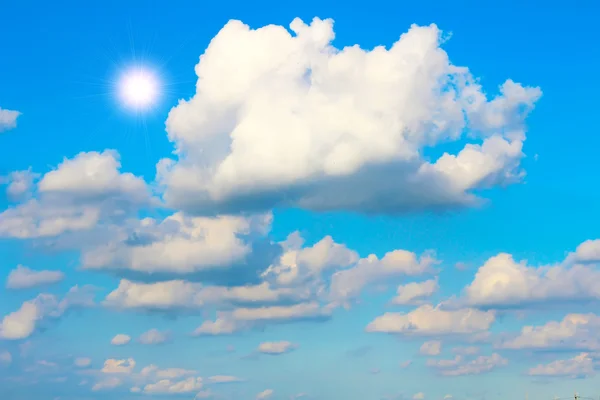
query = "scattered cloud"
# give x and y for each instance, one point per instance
(460, 365)
(44, 308)
(114, 366)
(82, 362)
(415, 292)
(265, 394)
(25, 278)
(275, 348)
(8, 119)
(579, 366)
(153, 337)
(120, 339)
(429, 320)
(431, 348)
(502, 281)
(574, 332)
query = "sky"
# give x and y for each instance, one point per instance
(376, 200)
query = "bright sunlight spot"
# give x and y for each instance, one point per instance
(138, 89)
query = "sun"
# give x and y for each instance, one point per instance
(139, 88)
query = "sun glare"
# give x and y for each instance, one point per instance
(138, 89)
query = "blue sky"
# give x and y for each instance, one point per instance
(294, 217)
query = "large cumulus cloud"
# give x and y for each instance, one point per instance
(286, 119)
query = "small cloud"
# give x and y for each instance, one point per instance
(265, 394)
(405, 364)
(224, 379)
(431, 348)
(8, 119)
(419, 396)
(120, 340)
(82, 362)
(154, 336)
(275, 348)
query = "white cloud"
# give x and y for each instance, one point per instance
(24, 278)
(224, 379)
(405, 364)
(82, 362)
(466, 350)
(415, 292)
(575, 331)
(114, 366)
(462, 366)
(276, 347)
(501, 281)
(183, 294)
(298, 265)
(431, 348)
(581, 365)
(154, 336)
(153, 371)
(419, 396)
(348, 283)
(76, 196)
(5, 358)
(8, 119)
(107, 384)
(265, 394)
(245, 318)
(428, 320)
(281, 119)
(20, 184)
(588, 252)
(120, 339)
(164, 386)
(181, 244)
(22, 323)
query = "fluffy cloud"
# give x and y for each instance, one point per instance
(107, 384)
(265, 394)
(154, 336)
(574, 332)
(276, 347)
(459, 365)
(289, 120)
(114, 366)
(165, 386)
(120, 339)
(20, 184)
(415, 292)
(76, 196)
(587, 252)
(428, 320)
(181, 245)
(223, 379)
(8, 119)
(24, 278)
(419, 396)
(348, 283)
(502, 281)
(298, 265)
(579, 366)
(431, 348)
(246, 318)
(179, 294)
(22, 323)
(82, 362)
